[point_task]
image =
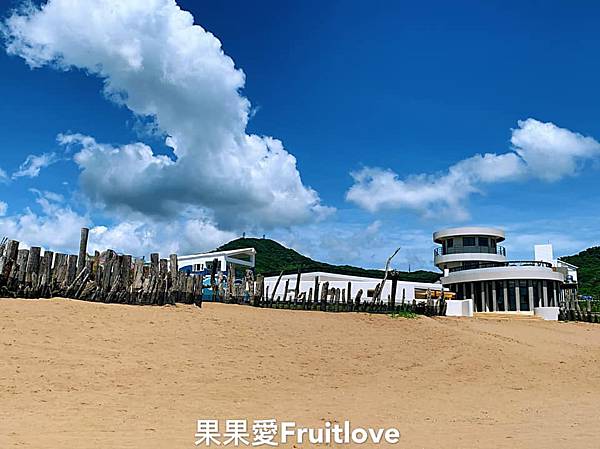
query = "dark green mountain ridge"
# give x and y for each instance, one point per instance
(588, 271)
(272, 258)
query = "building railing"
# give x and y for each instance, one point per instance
(511, 263)
(498, 249)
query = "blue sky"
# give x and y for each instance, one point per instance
(397, 94)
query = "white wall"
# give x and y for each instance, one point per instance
(544, 253)
(341, 282)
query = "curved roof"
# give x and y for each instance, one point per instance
(468, 230)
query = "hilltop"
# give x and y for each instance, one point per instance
(272, 258)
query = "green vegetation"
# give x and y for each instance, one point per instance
(272, 258)
(404, 314)
(594, 305)
(588, 272)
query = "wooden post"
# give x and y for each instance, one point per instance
(213, 275)
(230, 282)
(33, 267)
(297, 289)
(154, 260)
(276, 285)
(173, 265)
(259, 290)
(9, 259)
(357, 300)
(45, 274)
(349, 292)
(125, 279)
(173, 271)
(316, 289)
(392, 304)
(22, 257)
(72, 268)
(83, 241)
(285, 291)
(324, 294)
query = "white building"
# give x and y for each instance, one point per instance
(404, 289)
(475, 267)
(244, 258)
(546, 253)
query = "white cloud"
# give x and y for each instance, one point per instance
(34, 163)
(175, 75)
(3, 176)
(550, 152)
(541, 150)
(142, 237)
(56, 226)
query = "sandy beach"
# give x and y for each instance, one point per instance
(86, 375)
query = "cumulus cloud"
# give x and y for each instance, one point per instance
(143, 237)
(540, 151)
(55, 225)
(174, 75)
(33, 165)
(550, 152)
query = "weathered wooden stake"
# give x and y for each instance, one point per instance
(297, 289)
(276, 285)
(83, 241)
(393, 297)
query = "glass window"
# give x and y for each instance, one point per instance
(450, 243)
(468, 241)
(512, 298)
(524, 296)
(484, 241)
(499, 296)
(470, 265)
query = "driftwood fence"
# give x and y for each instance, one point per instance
(571, 310)
(323, 298)
(113, 278)
(103, 277)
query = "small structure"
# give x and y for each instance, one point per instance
(244, 258)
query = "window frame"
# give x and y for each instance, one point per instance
(469, 239)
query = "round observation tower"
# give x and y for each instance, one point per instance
(475, 267)
(468, 246)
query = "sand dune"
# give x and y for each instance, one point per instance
(85, 375)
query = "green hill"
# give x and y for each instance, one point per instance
(588, 271)
(272, 258)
